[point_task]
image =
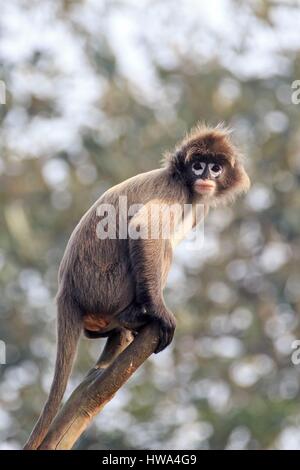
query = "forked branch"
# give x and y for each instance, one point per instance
(114, 367)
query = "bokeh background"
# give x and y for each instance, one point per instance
(96, 91)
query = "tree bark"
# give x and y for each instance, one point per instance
(114, 367)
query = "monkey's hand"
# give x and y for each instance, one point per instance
(167, 324)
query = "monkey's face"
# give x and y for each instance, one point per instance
(207, 175)
(215, 177)
(204, 175)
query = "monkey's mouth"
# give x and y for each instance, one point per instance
(204, 187)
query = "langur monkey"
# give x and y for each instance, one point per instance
(106, 285)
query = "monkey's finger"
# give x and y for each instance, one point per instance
(166, 336)
(163, 343)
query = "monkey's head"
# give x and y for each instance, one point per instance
(209, 164)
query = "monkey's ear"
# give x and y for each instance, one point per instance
(179, 160)
(243, 180)
(175, 161)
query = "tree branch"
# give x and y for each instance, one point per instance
(100, 385)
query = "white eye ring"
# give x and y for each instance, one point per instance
(215, 173)
(198, 171)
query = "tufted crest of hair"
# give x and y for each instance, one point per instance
(211, 141)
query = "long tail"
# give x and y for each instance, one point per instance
(69, 327)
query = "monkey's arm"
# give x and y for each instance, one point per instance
(150, 259)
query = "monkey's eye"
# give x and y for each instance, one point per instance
(198, 168)
(215, 169)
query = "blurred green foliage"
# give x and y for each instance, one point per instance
(96, 92)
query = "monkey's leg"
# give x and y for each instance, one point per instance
(115, 344)
(117, 341)
(134, 317)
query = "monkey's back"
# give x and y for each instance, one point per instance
(96, 272)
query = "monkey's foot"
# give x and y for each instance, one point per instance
(134, 317)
